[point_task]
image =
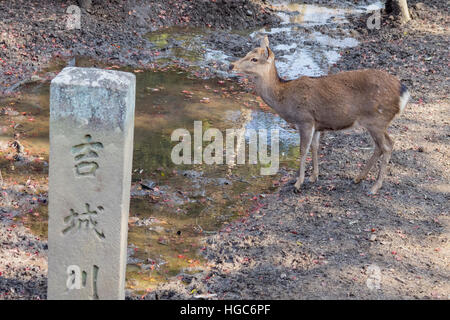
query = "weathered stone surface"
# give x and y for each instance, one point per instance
(91, 145)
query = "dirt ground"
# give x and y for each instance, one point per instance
(331, 241)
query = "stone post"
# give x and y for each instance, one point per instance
(91, 152)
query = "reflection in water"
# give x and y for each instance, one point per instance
(189, 201)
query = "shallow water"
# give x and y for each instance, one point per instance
(173, 207)
(300, 49)
(295, 12)
(311, 53)
(190, 201)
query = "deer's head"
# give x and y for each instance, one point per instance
(257, 62)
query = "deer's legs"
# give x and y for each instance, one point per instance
(383, 148)
(378, 139)
(386, 149)
(306, 135)
(365, 171)
(315, 159)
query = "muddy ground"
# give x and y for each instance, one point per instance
(331, 241)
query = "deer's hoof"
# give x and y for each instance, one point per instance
(373, 191)
(296, 191)
(313, 178)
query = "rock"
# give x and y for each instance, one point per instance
(148, 184)
(354, 33)
(420, 6)
(192, 174)
(223, 181)
(187, 278)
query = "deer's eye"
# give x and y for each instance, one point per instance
(254, 60)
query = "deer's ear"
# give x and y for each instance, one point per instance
(269, 54)
(264, 42)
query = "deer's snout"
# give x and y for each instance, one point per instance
(231, 67)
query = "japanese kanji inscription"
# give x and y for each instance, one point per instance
(91, 147)
(86, 155)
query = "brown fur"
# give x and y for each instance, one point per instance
(370, 98)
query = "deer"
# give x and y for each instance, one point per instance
(367, 98)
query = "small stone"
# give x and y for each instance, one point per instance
(420, 6)
(354, 33)
(148, 184)
(35, 78)
(372, 237)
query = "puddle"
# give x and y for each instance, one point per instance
(172, 207)
(186, 203)
(184, 44)
(299, 51)
(306, 53)
(295, 12)
(310, 14)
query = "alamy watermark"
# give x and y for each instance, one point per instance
(373, 281)
(190, 149)
(374, 20)
(73, 17)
